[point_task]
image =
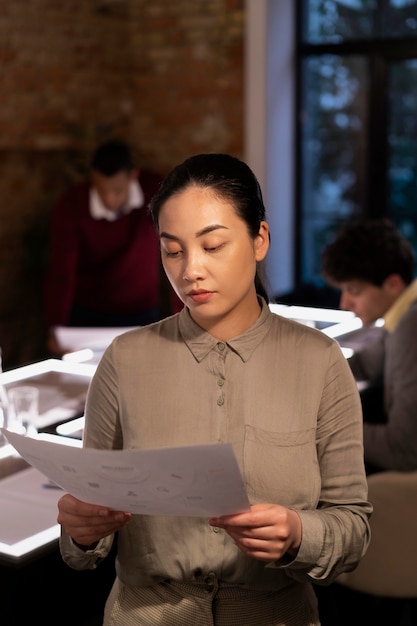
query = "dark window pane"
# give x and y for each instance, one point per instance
(315, 234)
(333, 148)
(402, 138)
(357, 122)
(333, 21)
(400, 19)
(402, 141)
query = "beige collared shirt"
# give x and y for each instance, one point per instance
(400, 306)
(284, 396)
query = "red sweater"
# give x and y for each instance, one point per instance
(108, 267)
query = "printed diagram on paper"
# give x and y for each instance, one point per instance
(191, 480)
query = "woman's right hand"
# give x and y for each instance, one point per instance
(87, 523)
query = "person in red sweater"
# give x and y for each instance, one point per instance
(104, 257)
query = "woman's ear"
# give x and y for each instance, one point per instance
(262, 241)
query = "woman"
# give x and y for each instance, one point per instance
(226, 369)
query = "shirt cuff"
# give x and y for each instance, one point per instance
(80, 559)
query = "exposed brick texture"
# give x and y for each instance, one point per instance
(167, 76)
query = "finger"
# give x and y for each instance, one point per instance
(72, 506)
(87, 534)
(113, 519)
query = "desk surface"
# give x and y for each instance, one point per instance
(29, 509)
(62, 388)
(21, 534)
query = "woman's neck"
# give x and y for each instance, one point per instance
(236, 322)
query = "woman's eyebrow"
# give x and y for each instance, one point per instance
(200, 233)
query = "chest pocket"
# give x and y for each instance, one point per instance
(281, 468)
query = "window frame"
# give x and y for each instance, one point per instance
(381, 52)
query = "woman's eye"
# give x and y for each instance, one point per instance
(172, 254)
(213, 248)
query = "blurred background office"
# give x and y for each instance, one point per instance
(317, 95)
(167, 77)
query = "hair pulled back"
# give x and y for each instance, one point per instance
(230, 179)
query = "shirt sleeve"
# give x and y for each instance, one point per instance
(336, 535)
(79, 559)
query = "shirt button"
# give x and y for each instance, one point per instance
(220, 382)
(215, 529)
(221, 346)
(220, 401)
(210, 581)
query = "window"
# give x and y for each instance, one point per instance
(357, 120)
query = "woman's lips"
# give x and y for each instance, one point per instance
(200, 296)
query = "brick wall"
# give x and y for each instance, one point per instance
(167, 76)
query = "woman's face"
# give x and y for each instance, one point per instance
(210, 260)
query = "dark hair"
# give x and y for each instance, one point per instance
(112, 157)
(368, 250)
(229, 178)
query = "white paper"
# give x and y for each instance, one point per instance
(191, 480)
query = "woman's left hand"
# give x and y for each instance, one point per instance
(266, 532)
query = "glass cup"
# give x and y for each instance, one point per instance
(23, 409)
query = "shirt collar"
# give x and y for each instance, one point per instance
(135, 200)
(200, 342)
(400, 306)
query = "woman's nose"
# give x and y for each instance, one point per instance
(193, 269)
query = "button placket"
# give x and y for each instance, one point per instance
(220, 381)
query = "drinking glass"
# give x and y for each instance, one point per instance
(23, 409)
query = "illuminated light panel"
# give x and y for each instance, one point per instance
(28, 491)
(48, 535)
(64, 441)
(78, 356)
(347, 352)
(77, 338)
(43, 367)
(344, 328)
(69, 428)
(7, 450)
(315, 314)
(24, 547)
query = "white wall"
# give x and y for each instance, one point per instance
(269, 125)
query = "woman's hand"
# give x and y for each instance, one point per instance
(87, 523)
(266, 532)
